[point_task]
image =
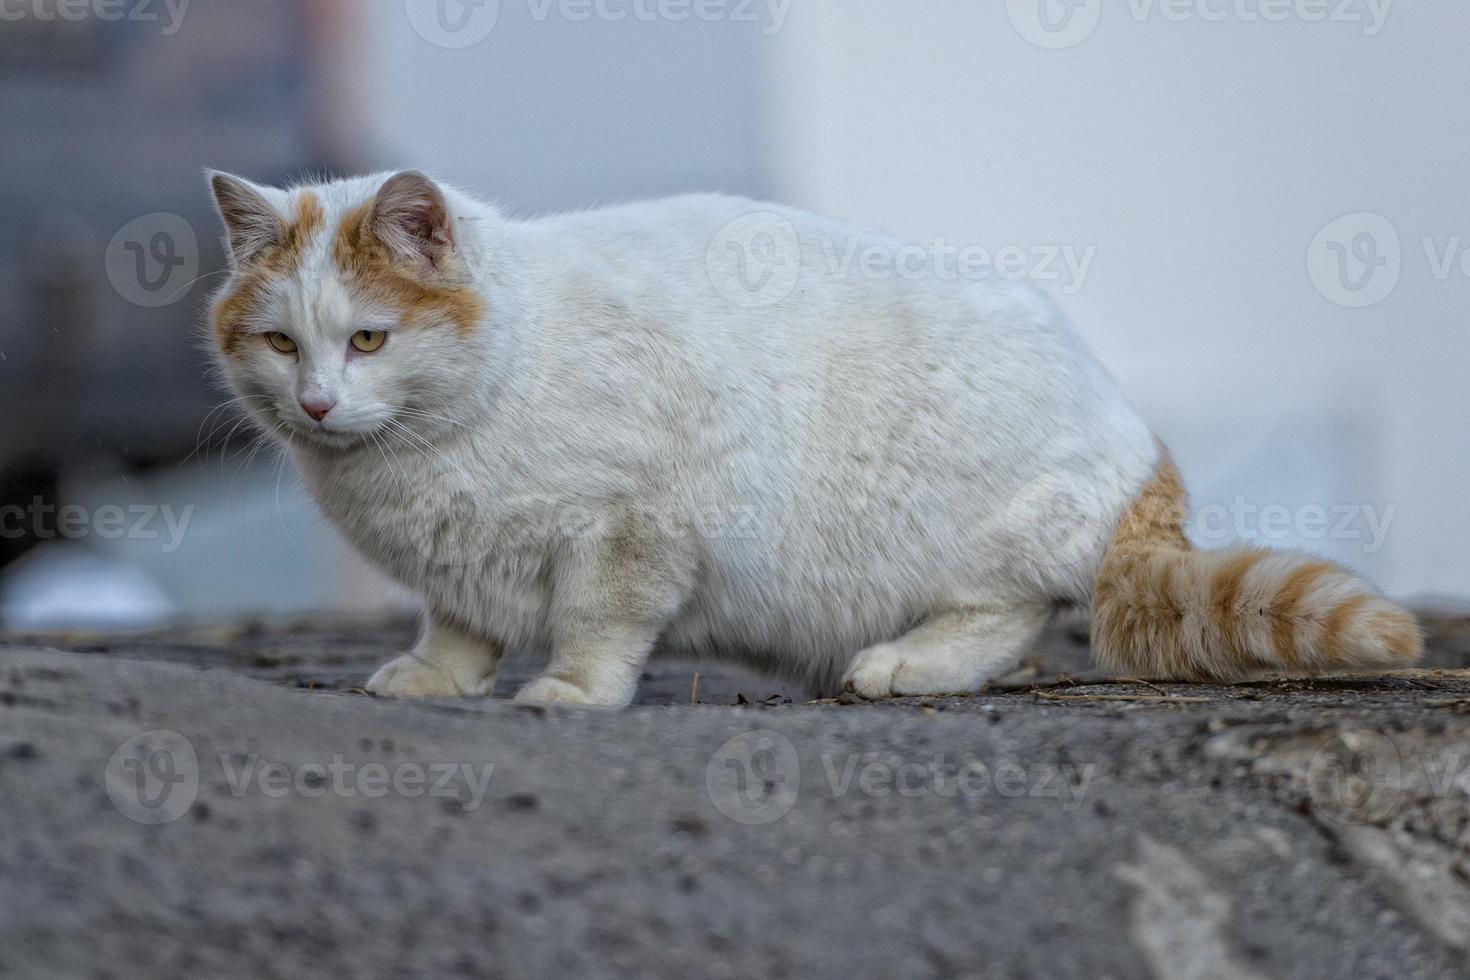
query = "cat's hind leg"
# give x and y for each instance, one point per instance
(948, 653)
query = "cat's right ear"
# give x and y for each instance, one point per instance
(252, 224)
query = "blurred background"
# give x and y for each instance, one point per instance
(1257, 213)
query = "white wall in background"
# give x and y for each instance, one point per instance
(558, 112)
(1201, 159)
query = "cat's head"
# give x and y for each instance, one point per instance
(352, 307)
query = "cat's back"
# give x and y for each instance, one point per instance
(721, 263)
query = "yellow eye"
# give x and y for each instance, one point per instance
(281, 342)
(368, 341)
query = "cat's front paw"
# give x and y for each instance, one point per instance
(410, 677)
(553, 690)
(887, 671)
(873, 674)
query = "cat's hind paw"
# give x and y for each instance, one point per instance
(411, 677)
(553, 690)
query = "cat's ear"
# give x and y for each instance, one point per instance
(252, 224)
(411, 217)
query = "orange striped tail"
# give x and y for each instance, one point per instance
(1162, 609)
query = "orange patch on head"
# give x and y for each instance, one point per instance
(280, 260)
(232, 309)
(369, 269)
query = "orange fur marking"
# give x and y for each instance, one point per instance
(1139, 570)
(1162, 609)
(1337, 621)
(1225, 591)
(369, 268)
(1399, 631)
(1157, 516)
(1284, 607)
(280, 260)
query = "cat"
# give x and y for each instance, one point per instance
(673, 426)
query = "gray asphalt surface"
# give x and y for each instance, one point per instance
(276, 824)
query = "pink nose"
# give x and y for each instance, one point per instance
(318, 408)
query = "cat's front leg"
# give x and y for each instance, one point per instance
(446, 662)
(612, 598)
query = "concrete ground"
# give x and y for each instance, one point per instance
(217, 801)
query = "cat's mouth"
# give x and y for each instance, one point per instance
(330, 435)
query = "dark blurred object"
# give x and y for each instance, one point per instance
(109, 248)
(26, 479)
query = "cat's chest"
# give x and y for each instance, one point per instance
(398, 506)
(470, 547)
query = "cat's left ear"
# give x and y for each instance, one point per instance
(411, 217)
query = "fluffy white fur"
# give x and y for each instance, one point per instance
(887, 481)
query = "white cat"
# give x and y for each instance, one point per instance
(673, 425)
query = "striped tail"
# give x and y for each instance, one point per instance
(1164, 610)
